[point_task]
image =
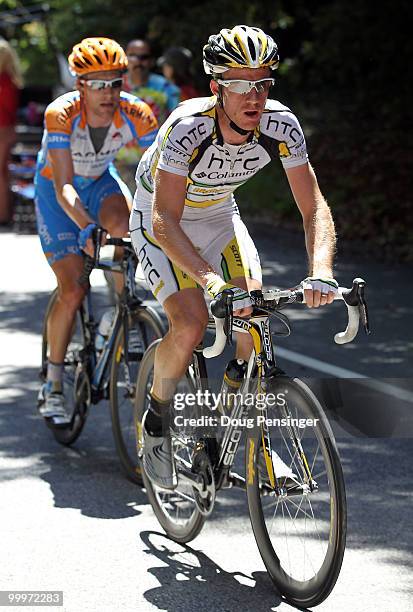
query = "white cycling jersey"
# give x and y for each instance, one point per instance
(190, 144)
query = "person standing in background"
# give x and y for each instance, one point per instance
(161, 95)
(176, 67)
(10, 82)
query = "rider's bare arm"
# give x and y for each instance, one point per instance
(168, 206)
(317, 220)
(66, 194)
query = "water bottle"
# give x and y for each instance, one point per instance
(233, 377)
(104, 328)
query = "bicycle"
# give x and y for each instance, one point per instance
(90, 374)
(293, 476)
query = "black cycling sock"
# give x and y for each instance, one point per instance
(158, 416)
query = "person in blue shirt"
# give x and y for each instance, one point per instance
(157, 91)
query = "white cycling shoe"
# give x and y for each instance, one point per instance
(51, 405)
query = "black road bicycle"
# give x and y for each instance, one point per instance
(293, 476)
(92, 374)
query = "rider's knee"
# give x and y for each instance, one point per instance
(119, 225)
(188, 329)
(71, 296)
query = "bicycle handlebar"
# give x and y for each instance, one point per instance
(274, 299)
(90, 262)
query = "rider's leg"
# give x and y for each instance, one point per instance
(51, 401)
(70, 296)
(114, 217)
(188, 318)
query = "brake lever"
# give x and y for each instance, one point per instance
(228, 316)
(362, 306)
(97, 240)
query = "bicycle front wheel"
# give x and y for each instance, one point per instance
(145, 326)
(300, 524)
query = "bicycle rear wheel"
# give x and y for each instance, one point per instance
(176, 510)
(75, 377)
(145, 326)
(301, 530)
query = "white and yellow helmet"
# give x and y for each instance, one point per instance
(241, 47)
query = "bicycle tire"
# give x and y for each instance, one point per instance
(309, 592)
(150, 325)
(179, 533)
(75, 381)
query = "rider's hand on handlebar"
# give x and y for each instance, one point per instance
(86, 241)
(241, 304)
(319, 291)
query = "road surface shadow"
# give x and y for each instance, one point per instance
(88, 477)
(190, 581)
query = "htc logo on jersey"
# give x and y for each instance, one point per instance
(246, 164)
(287, 128)
(191, 136)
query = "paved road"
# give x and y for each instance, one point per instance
(70, 521)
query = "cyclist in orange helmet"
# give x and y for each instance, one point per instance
(78, 188)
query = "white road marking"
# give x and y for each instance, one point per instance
(328, 368)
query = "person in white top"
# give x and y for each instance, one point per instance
(186, 227)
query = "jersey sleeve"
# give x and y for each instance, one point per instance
(141, 120)
(178, 146)
(284, 128)
(58, 123)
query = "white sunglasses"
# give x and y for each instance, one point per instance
(244, 87)
(97, 84)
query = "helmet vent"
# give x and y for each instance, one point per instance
(252, 50)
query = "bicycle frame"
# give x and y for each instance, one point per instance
(129, 298)
(261, 365)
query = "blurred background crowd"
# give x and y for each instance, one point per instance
(343, 72)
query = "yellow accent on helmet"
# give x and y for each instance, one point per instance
(241, 47)
(96, 55)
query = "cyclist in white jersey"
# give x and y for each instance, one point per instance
(186, 227)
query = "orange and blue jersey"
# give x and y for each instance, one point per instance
(66, 128)
(95, 177)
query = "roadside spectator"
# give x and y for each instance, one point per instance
(160, 94)
(10, 83)
(176, 67)
(154, 89)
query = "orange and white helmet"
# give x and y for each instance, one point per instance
(96, 55)
(241, 47)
